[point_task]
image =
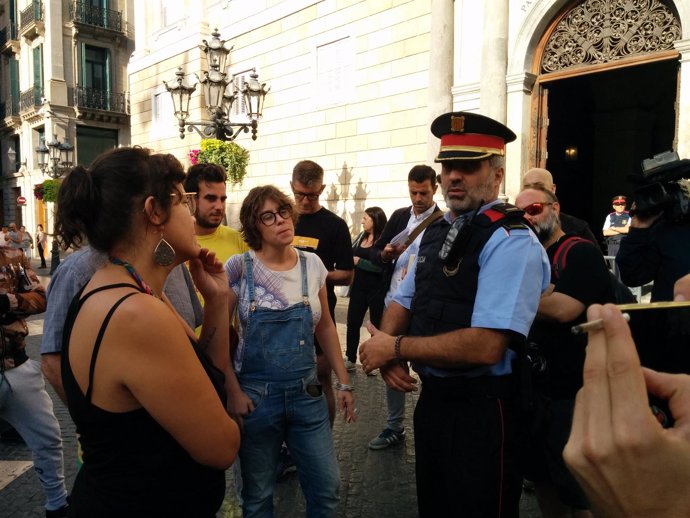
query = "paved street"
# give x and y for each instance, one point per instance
(374, 483)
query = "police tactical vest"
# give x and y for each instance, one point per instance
(444, 297)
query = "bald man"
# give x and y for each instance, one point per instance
(537, 178)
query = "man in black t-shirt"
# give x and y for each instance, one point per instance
(320, 231)
(538, 178)
(575, 284)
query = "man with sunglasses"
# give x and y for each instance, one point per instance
(578, 279)
(616, 225)
(539, 178)
(320, 231)
(464, 306)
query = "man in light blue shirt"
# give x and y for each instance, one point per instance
(458, 317)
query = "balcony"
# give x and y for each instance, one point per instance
(97, 18)
(9, 114)
(31, 21)
(30, 102)
(9, 41)
(102, 105)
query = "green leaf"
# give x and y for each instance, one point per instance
(233, 157)
(50, 190)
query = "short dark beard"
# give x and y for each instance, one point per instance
(205, 224)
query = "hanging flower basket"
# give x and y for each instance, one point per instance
(38, 191)
(50, 190)
(233, 157)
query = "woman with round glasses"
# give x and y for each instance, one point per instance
(274, 392)
(148, 399)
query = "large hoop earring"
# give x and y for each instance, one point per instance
(164, 253)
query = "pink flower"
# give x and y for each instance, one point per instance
(194, 156)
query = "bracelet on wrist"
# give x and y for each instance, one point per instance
(344, 387)
(398, 341)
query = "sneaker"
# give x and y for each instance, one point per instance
(286, 466)
(58, 513)
(387, 438)
(350, 366)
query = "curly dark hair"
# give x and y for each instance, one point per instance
(98, 203)
(251, 206)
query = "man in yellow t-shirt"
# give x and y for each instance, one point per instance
(208, 181)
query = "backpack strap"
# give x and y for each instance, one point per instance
(559, 258)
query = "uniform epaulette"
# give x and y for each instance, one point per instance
(498, 212)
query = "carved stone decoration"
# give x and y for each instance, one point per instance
(600, 31)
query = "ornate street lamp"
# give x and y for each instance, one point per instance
(220, 95)
(55, 158)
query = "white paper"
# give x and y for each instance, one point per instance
(401, 238)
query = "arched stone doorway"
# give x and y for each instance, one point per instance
(605, 97)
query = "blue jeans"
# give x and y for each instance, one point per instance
(395, 402)
(25, 404)
(285, 411)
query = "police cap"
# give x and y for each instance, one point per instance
(470, 136)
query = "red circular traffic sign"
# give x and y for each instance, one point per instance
(21, 200)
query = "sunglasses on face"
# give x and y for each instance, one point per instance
(536, 208)
(619, 204)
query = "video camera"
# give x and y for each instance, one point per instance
(665, 188)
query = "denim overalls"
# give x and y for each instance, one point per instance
(279, 375)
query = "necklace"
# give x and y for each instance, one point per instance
(133, 273)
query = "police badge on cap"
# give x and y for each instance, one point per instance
(470, 136)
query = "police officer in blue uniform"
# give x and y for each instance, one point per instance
(459, 317)
(616, 225)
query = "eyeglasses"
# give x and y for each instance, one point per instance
(311, 196)
(619, 204)
(189, 199)
(268, 218)
(536, 208)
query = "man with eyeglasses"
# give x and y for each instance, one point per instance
(321, 231)
(542, 178)
(458, 316)
(616, 225)
(579, 278)
(208, 181)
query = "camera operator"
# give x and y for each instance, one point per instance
(656, 247)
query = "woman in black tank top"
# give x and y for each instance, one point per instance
(148, 400)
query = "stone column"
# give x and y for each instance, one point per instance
(492, 102)
(440, 66)
(683, 100)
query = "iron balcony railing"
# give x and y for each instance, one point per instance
(83, 12)
(8, 33)
(32, 13)
(9, 108)
(94, 99)
(30, 98)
